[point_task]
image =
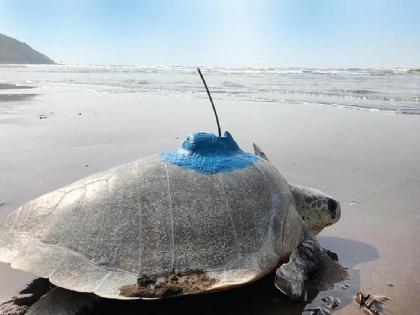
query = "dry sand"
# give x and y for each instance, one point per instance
(367, 160)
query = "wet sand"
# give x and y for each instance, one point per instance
(367, 160)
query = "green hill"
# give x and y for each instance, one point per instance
(14, 51)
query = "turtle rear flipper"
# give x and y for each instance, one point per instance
(259, 152)
(309, 267)
(63, 302)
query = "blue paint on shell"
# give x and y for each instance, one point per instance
(209, 154)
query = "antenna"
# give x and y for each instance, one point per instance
(211, 101)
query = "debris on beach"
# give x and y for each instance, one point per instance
(43, 116)
(319, 311)
(331, 302)
(371, 304)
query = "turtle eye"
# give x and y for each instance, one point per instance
(332, 207)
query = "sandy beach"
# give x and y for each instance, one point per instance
(368, 160)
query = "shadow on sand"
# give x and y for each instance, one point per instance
(350, 254)
(258, 298)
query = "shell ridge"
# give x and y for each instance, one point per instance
(71, 252)
(229, 211)
(258, 262)
(62, 189)
(104, 218)
(140, 213)
(56, 205)
(79, 206)
(102, 281)
(51, 274)
(58, 202)
(257, 167)
(172, 217)
(268, 243)
(16, 219)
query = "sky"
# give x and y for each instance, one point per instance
(261, 33)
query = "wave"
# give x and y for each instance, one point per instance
(75, 68)
(374, 89)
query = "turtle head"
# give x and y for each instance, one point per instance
(317, 209)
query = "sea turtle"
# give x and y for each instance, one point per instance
(204, 218)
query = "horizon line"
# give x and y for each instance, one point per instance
(222, 66)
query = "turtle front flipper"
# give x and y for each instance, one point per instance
(63, 302)
(309, 267)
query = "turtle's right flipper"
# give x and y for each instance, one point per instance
(259, 152)
(291, 277)
(63, 302)
(309, 267)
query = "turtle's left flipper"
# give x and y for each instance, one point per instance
(309, 266)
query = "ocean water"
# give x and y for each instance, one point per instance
(393, 90)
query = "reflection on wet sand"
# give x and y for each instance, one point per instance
(8, 86)
(258, 298)
(350, 254)
(15, 97)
